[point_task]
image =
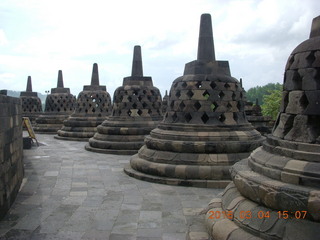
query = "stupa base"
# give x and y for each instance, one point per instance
(79, 139)
(235, 217)
(110, 151)
(176, 181)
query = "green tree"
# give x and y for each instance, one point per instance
(272, 103)
(259, 92)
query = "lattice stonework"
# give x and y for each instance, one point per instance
(97, 103)
(207, 101)
(60, 103)
(137, 101)
(31, 105)
(301, 97)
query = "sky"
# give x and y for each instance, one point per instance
(40, 37)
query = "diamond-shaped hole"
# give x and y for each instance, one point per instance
(178, 94)
(234, 96)
(188, 117)
(184, 84)
(311, 58)
(190, 94)
(149, 111)
(139, 112)
(235, 116)
(227, 86)
(144, 105)
(213, 106)
(304, 101)
(198, 84)
(134, 106)
(197, 105)
(129, 112)
(130, 98)
(221, 95)
(222, 118)
(172, 104)
(240, 106)
(181, 106)
(229, 106)
(174, 117)
(205, 118)
(206, 94)
(213, 85)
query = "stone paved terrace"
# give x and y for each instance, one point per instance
(70, 193)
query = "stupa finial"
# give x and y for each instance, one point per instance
(315, 27)
(29, 85)
(95, 75)
(137, 62)
(60, 80)
(205, 44)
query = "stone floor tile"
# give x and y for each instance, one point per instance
(71, 193)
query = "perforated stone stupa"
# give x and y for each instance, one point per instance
(136, 111)
(275, 192)
(59, 106)
(255, 117)
(92, 107)
(204, 130)
(31, 103)
(165, 101)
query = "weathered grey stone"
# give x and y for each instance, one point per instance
(136, 111)
(31, 104)
(204, 127)
(92, 107)
(11, 152)
(281, 180)
(59, 105)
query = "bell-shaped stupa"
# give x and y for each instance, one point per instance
(204, 130)
(92, 107)
(31, 103)
(165, 101)
(136, 111)
(59, 106)
(275, 193)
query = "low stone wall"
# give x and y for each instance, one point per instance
(11, 151)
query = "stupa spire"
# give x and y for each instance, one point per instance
(137, 62)
(29, 85)
(315, 27)
(205, 43)
(60, 80)
(95, 75)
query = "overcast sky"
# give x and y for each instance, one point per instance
(39, 37)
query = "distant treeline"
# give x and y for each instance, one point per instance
(258, 92)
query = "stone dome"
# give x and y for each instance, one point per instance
(92, 107)
(204, 130)
(136, 111)
(281, 178)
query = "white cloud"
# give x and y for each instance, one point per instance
(45, 36)
(3, 38)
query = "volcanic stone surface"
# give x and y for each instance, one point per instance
(275, 192)
(136, 111)
(165, 101)
(204, 130)
(59, 105)
(255, 117)
(92, 107)
(31, 103)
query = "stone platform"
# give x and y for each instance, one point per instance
(71, 193)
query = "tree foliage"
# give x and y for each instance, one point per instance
(259, 92)
(272, 103)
